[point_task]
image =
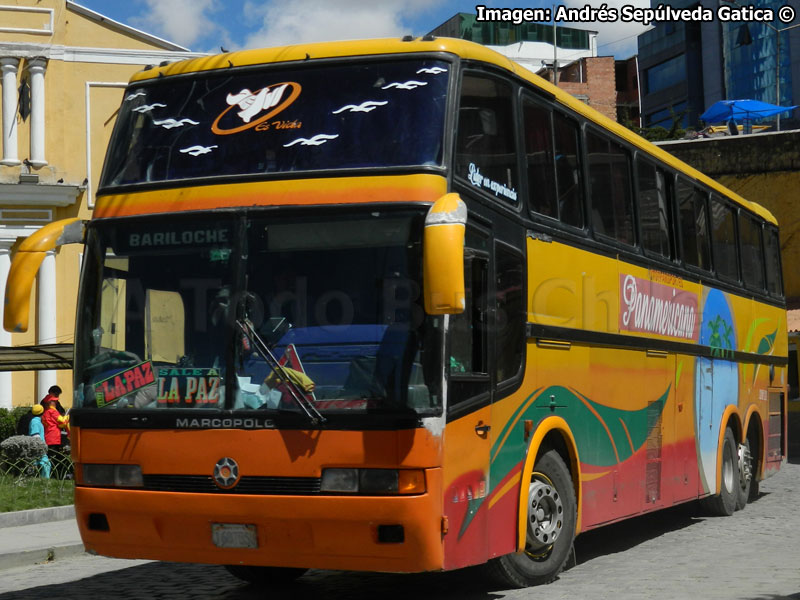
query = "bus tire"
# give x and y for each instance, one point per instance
(724, 503)
(746, 468)
(264, 575)
(552, 515)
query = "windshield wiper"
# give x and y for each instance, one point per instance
(296, 393)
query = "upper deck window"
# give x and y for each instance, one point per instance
(279, 120)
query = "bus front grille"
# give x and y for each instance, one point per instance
(204, 484)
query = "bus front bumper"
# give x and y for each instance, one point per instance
(322, 532)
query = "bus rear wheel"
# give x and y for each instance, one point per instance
(264, 575)
(550, 528)
(724, 503)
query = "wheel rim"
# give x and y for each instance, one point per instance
(745, 466)
(545, 516)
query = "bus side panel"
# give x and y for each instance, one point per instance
(509, 445)
(622, 404)
(465, 469)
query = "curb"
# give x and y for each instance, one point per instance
(37, 515)
(27, 558)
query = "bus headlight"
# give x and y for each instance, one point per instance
(373, 481)
(110, 475)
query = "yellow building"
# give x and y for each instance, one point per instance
(63, 68)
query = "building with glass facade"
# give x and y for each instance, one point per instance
(530, 44)
(687, 66)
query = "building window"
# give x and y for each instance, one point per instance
(667, 116)
(666, 74)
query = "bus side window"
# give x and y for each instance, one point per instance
(511, 316)
(468, 362)
(554, 170)
(610, 177)
(752, 259)
(772, 252)
(654, 211)
(486, 155)
(723, 238)
(468, 329)
(540, 160)
(694, 225)
(569, 171)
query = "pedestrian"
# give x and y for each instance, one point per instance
(36, 429)
(23, 425)
(53, 394)
(52, 435)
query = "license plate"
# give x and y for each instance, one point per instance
(234, 535)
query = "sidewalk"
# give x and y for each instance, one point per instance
(33, 536)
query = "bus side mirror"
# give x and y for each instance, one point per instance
(443, 256)
(26, 265)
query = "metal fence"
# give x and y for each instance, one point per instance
(27, 483)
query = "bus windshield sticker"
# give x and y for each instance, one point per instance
(130, 97)
(411, 84)
(432, 70)
(122, 383)
(188, 386)
(479, 180)
(650, 307)
(366, 106)
(271, 98)
(170, 123)
(317, 140)
(145, 108)
(198, 150)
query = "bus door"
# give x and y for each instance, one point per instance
(468, 436)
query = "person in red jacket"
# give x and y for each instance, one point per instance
(52, 434)
(53, 394)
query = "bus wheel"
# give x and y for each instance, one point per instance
(550, 530)
(746, 467)
(264, 575)
(724, 503)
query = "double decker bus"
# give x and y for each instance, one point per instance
(403, 306)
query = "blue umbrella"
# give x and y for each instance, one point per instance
(724, 110)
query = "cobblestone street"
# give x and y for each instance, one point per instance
(753, 555)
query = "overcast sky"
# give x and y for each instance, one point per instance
(205, 25)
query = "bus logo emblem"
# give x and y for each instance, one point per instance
(271, 98)
(226, 473)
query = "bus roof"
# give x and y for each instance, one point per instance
(462, 48)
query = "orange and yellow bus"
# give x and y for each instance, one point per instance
(401, 305)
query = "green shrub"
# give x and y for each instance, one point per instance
(8, 424)
(21, 452)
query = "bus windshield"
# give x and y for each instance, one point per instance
(261, 121)
(245, 312)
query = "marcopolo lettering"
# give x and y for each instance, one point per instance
(178, 238)
(224, 423)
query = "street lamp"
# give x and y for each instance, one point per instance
(777, 60)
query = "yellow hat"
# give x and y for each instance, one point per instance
(37, 410)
